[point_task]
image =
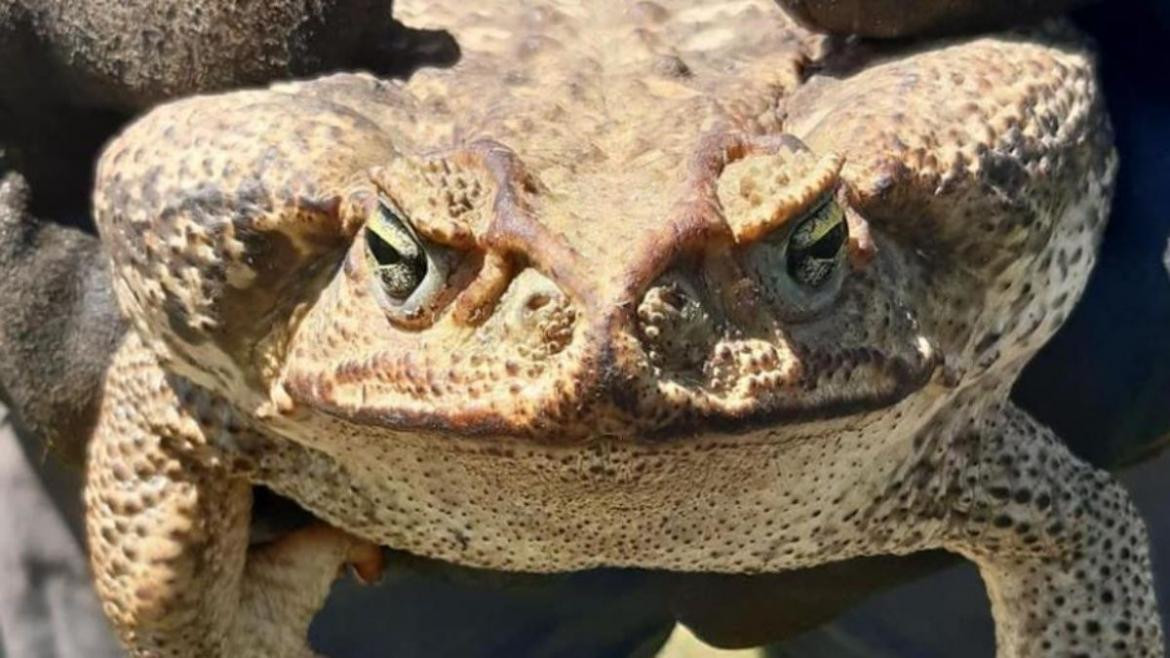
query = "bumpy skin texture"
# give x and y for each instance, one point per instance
(608, 362)
(75, 71)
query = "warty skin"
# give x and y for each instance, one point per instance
(599, 334)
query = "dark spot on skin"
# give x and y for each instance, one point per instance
(671, 66)
(987, 342)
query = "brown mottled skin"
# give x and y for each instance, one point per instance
(602, 348)
(74, 71)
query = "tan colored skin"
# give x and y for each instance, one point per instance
(616, 369)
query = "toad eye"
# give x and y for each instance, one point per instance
(399, 259)
(801, 266)
(816, 246)
(408, 272)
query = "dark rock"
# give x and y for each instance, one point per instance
(886, 19)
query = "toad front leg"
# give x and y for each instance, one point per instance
(168, 536)
(1061, 549)
(930, 152)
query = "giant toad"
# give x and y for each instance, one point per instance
(688, 288)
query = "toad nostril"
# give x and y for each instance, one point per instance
(672, 298)
(676, 328)
(538, 315)
(537, 301)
